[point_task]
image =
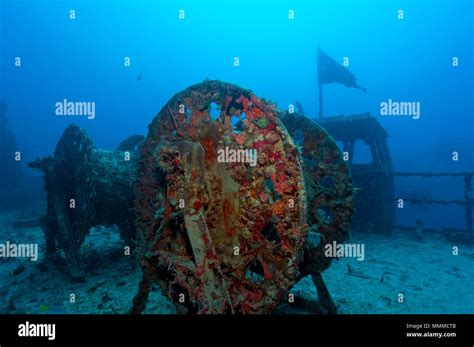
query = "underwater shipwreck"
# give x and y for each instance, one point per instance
(227, 203)
(217, 237)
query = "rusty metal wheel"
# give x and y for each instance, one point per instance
(220, 236)
(329, 189)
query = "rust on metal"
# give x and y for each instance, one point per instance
(329, 189)
(220, 236)
(85, 187)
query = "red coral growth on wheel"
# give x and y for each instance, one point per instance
(222, 226)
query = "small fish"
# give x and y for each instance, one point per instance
(43, 308)
(139, 77)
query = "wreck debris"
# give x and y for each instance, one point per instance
(219, 237)
(329, 189)
(85, 187)
(330, 198)
(131, 143)
(375, 200)
(375, 210)
(468, 201)
(419, 230)
(219, 199)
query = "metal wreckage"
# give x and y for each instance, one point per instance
(216, 237)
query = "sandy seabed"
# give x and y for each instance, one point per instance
(427, 274)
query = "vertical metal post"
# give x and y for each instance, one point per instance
(320, 100)
(468, 197)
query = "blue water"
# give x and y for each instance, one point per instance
(404, 60)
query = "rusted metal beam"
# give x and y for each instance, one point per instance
(432, 202)
(468, 197)
(432, 174)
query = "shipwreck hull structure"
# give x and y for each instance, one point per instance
(374, 201)
(230, 200)
(85, 187)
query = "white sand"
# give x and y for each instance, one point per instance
(431, 279)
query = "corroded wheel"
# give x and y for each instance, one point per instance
(220, 233)
(329, 189)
